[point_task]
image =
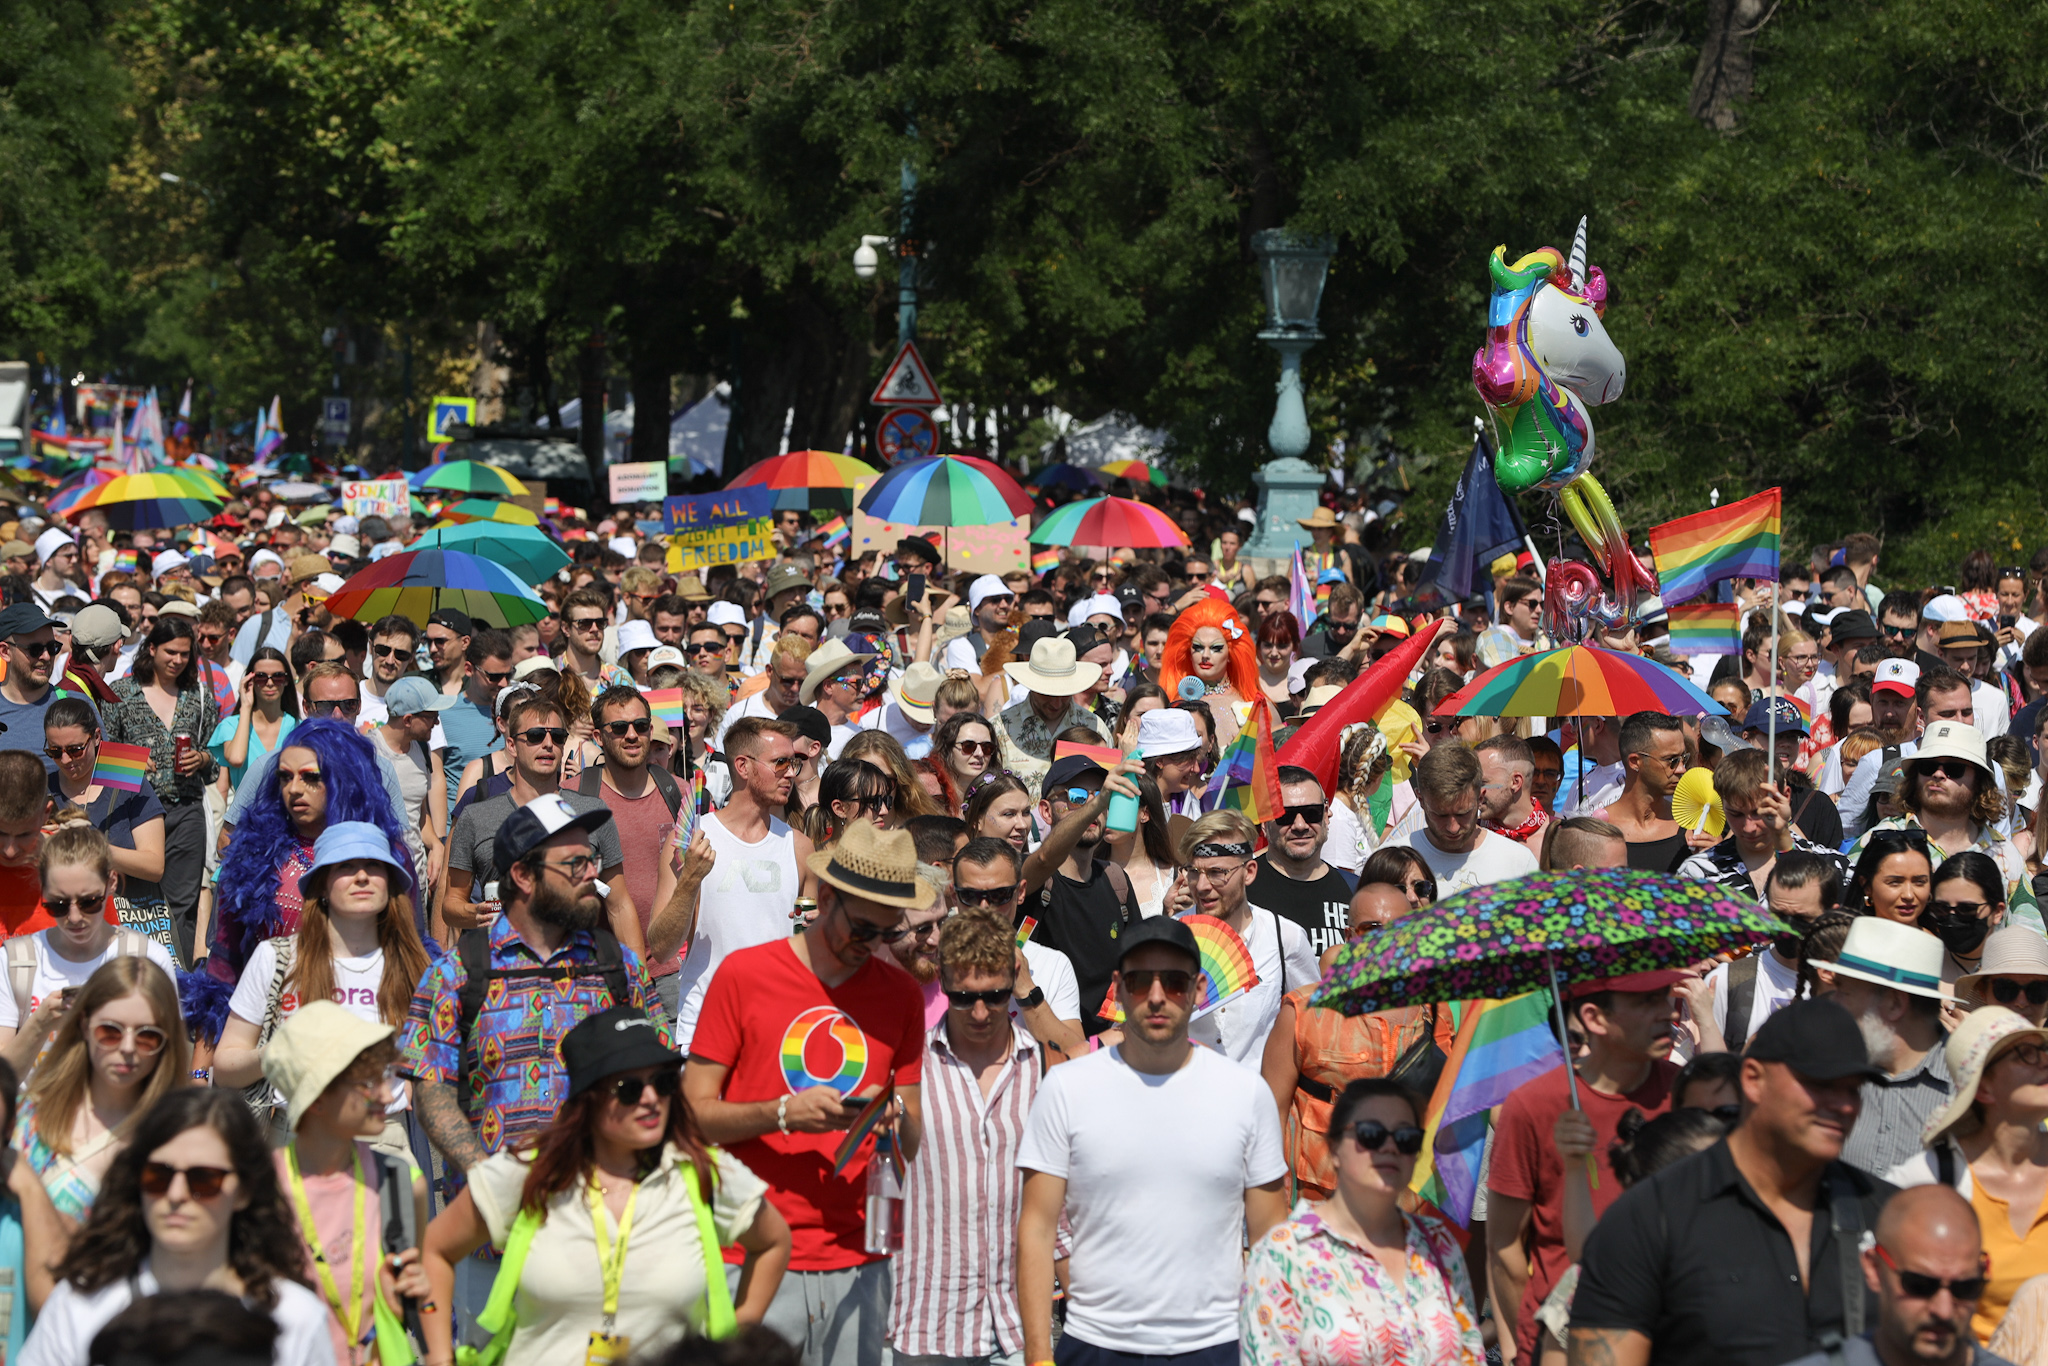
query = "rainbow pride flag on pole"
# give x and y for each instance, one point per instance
(1247, 776)
(1502, 1046)
(1301, 594)
(1705, 628)
(122, 766)
(1739, 541)
(1042, 560)
(666, 704)
(835, 532)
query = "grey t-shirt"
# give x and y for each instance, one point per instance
(473, 846)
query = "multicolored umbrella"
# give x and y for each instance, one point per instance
(470, 476)
(74, 487)
(946, 490)
(485, 510)
(1137, 471)
(1579, 680)
(807, 480)
(418, 583)
(1109, 522)
(1508, 937)
(1061, 475)
(527, 552)
(153, 500)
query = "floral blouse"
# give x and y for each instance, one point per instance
(130, 721)
(1311, 1296)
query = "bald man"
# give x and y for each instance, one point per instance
(1374, 906)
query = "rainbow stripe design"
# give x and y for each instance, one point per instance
(869, 1119)
(1105, 755)
(1705, 628)
(812, 1037)
(1578, 680)
(1247, 774)
(667, 706)
(129, 560)
(836, 532)
(1227, 968)
(1739, 541)
(1043, 560)
(122, 766)
(1025, 927)
(1502, 1046)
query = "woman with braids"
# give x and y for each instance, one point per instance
(1366, 805)
(1211, 643)
(192, 1204)
(602, 1224)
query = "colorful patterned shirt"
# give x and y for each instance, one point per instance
(516, 1080)
(1314, 1298)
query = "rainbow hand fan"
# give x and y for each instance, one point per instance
(1694, 803)
(1227, 968)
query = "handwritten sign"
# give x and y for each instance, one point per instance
(720, 528)
(386, 498)
(643, 482)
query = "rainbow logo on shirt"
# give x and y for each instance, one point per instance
(802, 1045)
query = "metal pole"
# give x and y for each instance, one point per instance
(906, 255)
(1564, 1038)
(1771, 696)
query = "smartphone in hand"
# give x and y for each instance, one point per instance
(913, 593)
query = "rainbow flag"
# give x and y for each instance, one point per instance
(1323, 582)
(1739, 541)
(1502, 1046)
(122, 766)
(1025, 928)
(1301, 593)
(1043, 560)
(1247, 774)
(1105, 755)
(667, 706)
(1705, 628)
(835, 532)
(130, 560)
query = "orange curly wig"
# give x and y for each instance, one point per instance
(1241, 665)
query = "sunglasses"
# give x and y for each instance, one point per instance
(387, 651)
(620, 729)
(1922, 1286)
(1956, 908)
(211, 639)
(344, 708)
(1075, 796)
(1435, 727)
(2005, 991)
(972, 747)
(2029, 1054)
(273, 678)
(861, 932)
(1371, 1135)
(201, 1183)
(60, 906)
(990, 896)
(1954, 770)
(436, 642)
(1313, 814)
(781, 764)
(37, 649)
(586, 623)
(966, 1000)
(66, 751)
(1899, 632)
(705, 647)
(865, 805)
(533, 735)
(1175, 982)
(628, 1090)
(149, 1040)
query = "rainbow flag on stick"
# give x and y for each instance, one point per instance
(667, 706)
(1739, 541)
(835, 532)
(1247, 774)
(122, 766)
(1502, 1046)
(1705, 628)
(1042, 560)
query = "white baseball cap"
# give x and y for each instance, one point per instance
(724, 613)
(666, 654)
(1167, 730)
(1102, 604)
(1945, 607)
(624, 545)
(986, 587)
(1896, 675)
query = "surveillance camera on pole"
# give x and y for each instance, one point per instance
(866, 260)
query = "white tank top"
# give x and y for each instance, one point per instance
(746, 900)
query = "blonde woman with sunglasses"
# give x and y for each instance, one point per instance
(120, 1048)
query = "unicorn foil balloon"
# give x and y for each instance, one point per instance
(1547, 359)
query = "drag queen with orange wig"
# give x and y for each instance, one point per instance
(1211, 642)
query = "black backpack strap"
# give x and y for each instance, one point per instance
(1741, 1000)
(1845, 1212)
(473, 951)
(590, 783)
(1945, 1163)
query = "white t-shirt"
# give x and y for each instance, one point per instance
(356, 981)
(71, 1319)
(1598, 786)
(1775, 984)
(840, 736)
(889, 717)
(1989, 709)
(54, 973)
(1052, 972)
(756, 705)
(1495, 858)
(1157, 1246)
(414, 769)
(746, 900)
(1285, 960)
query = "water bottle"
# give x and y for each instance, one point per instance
(1123, 812)
(885, 1201)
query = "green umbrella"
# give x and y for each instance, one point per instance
(528, 553)
(470, 476)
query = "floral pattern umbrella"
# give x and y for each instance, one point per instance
(1506, 938)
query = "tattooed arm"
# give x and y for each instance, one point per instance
(441, 1115)
(1608, 1347)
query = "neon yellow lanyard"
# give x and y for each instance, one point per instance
(611, 1257)
(351, 1313)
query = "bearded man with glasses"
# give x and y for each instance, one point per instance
(645, 801)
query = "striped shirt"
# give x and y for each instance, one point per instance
(1894, 1109)
(956, 1277)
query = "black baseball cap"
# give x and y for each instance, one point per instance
(535, 823)
(1073, 768)
(1815, 1038)
(1174, 933)
(21, 619)
(455, 619)
(617, 1040)
(810, 722)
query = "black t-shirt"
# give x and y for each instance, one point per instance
(1659, 856)
(1083, 920)
(1322, 908)
(1815, 817)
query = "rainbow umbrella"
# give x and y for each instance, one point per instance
(418, 583)
(74, 487)
(470, 476)
(1137, 471)
(946, 490)
(153, 500)
(1109, 522)
(524, 550)
(805, 480)
(1579, 680)
(484, 510)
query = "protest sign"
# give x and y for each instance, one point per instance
(720, 528)
(386, 498)
(640, 482)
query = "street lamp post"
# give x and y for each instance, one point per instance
(1292, 267)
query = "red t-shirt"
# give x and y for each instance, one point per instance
(1525, 1166)
(642, 822)
(780, 1030)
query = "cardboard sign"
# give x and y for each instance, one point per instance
(386, 498)
(994, 549)
(720, 528)
(643, 482)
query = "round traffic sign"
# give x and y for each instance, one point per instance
(905, 433)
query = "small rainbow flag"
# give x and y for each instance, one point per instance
(835, 532)
(1705, 628)
(667, 706)
(1105, 755)
(1739, 541)
(129, 560)
(1043, 560)
(869, 1119)
(1247, 775)
(1024, 929)
(1227, 968)
(122, 766)
(1502, 1046)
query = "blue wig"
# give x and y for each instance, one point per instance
(245, 909)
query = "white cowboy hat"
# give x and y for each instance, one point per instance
(915, 690)
(1891, 955)
(1053, 670)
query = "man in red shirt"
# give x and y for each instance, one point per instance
(1626, 1022)
(795, 1037)
(25, 804)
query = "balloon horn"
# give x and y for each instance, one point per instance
(1578, 261)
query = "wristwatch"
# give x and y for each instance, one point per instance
(1032, 999)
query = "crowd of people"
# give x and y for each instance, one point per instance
(751, 954)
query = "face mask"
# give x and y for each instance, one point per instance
(1787, 943)
(1962, 933)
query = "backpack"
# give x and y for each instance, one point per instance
(591, 784)
(264, 1101)
(473, 949)
(21, 963)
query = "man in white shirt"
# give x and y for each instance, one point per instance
(1601, 773)
(1962, 645)
(1894, 709)
(58, 554)
(1217, 852)
(1802, 886)
(788, 663)
(907, 714)
(1461, 852)
(1157, 1260)
(990, 600)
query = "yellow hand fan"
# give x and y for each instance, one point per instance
(1694, 803)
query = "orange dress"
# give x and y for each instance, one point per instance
(1331, 1050)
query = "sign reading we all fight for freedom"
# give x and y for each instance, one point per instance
(729, 527)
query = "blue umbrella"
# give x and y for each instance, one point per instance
(1061, 475)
